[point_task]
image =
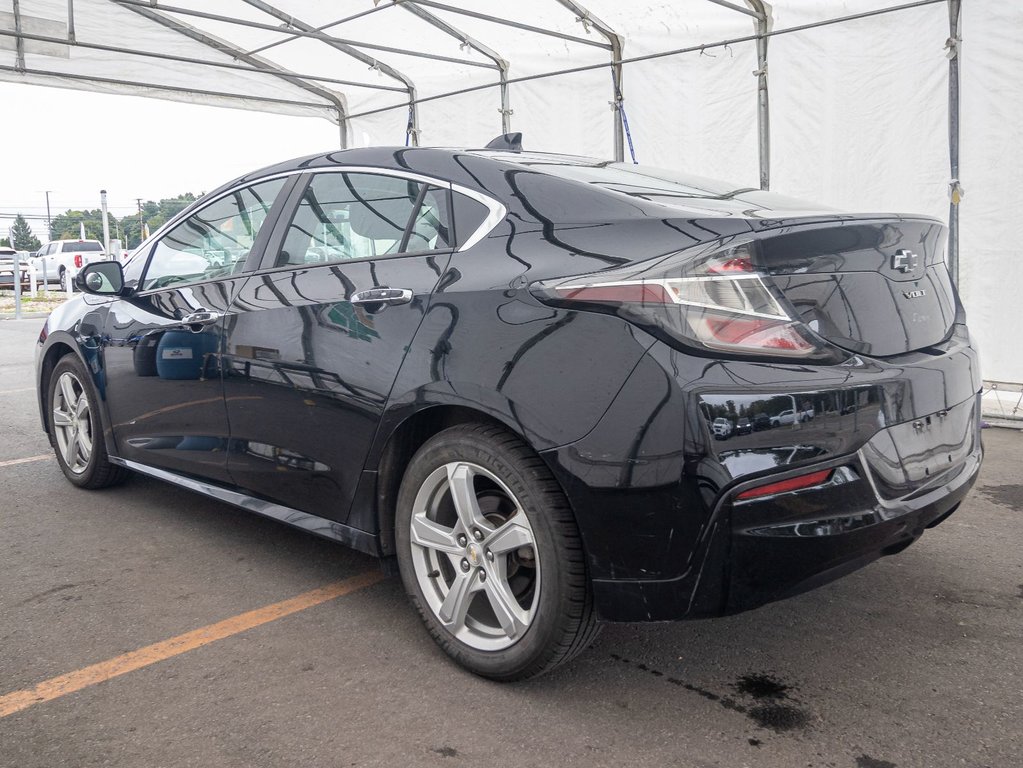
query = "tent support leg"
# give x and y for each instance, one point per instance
(616, 73)
(955, 190)
(763, 29)
(763, 112)
(71, 21)
(587, 19)
(506, 110)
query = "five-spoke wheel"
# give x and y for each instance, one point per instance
(72, 422)
(475, 556)
(490, 554)
(76, 427)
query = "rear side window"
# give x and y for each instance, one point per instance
(469, 216)
(344, 216)
(213, 242)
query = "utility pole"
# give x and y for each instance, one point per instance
(106, 221)
(49, 235)
(138, 201)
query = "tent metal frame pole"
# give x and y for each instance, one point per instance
(510, 23)
(19, 41)
(71, 21)
(763, 25)
(616, 42)
(472, 43)
(294, 30)
(193, 60)
(412, 132)
(229, 49)
(725, 4)
(663, 54)
(955, 190)
(170, 88)
(324, 28)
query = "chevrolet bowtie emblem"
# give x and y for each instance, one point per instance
(904, 260)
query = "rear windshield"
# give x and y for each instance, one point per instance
(82, 247)
(658, 185)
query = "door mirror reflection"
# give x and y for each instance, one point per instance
(103, 278)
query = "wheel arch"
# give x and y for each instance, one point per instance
(53, 354)
(391, 460)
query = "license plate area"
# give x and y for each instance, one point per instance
(918, 453)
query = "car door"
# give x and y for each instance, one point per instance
(315, 338)
(49, 262)
(162, 342)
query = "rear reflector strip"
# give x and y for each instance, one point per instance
(783, 486)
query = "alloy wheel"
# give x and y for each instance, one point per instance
(72, 422)
(475, 556)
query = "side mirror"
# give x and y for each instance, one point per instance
(102, 278)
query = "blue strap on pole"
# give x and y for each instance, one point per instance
(410, 126)
(620, 103)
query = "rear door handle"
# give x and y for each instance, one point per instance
(200, 318)
(382, 295)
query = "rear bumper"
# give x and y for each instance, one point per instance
(781, 546)
(654, 490)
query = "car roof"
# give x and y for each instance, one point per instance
(673, 193)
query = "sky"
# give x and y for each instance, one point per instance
(75, 143)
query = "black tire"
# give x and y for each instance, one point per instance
(97, 471)
(63, 278)
(562, 622)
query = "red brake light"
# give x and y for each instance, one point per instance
(718, 300)
(791, 484)
(737, 264)
(78, 260)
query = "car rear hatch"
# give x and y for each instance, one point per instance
(875, 287)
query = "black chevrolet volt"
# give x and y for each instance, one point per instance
(548, 390)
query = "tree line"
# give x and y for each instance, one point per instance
(129, 229)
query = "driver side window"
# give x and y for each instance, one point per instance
(213, 242)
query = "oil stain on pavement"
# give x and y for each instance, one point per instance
(866, 761)
(771, 706)
(1009, 495)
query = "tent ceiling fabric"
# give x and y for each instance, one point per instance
(858, 110)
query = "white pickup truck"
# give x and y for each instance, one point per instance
(63, 259)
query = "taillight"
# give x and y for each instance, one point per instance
(716, 300)
(78, 261)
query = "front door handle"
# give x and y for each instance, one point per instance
(199, 318)
(382, 295)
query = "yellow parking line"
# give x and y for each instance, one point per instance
(12, 462)
(56, 687)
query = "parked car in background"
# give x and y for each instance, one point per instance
(62, 259)
(503, 372)
(7, 277)
(783, 418)
(744, 426)
(761, 422)
(722, 428)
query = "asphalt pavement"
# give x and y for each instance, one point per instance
(916, 660)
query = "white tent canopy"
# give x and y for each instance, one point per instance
(858, 114)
